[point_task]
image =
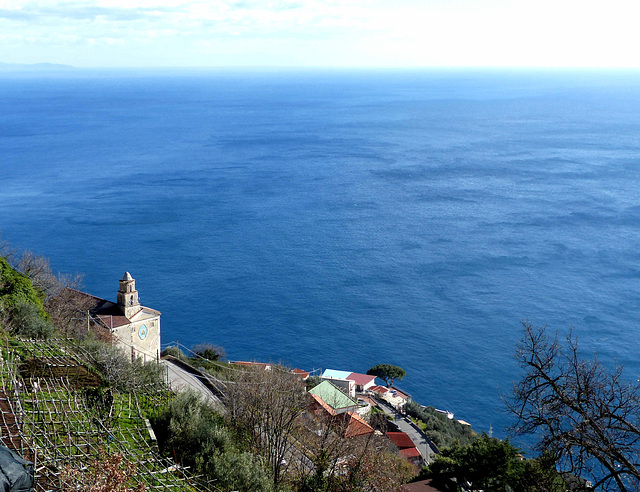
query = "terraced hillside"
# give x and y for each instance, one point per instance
(80, 433)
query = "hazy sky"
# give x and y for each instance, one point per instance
(406, 33)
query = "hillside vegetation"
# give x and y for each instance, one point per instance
(21, 304)
(95, 421)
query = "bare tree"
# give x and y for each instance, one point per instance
(263, 406)
(69, 312)
(379, 470)
(6, 251)
(322, 438)
(587, 416)
(107, 473)
(39, 271)
(66, 306)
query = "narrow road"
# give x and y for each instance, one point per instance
(419, 440)
(178, 380)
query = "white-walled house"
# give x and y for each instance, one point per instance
(354, 381)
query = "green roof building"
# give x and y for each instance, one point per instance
(334, 397)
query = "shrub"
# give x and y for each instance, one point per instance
(174, 351)
(192, 430)
(209, 351)
(118, 369)
(28, 322)
(312, 382)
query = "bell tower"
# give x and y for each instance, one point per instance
(128, 296)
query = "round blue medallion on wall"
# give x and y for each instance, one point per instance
(142, 332)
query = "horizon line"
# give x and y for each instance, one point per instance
(52, 65)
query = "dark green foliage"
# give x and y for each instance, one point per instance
(387, 372)
(16, 288)
(209, 351)
(21, 305)
(540, 475)
(312, 382)
(99, 399)
(379, 421)
(490, 464)
(442, 431)
(174, 351)
(27, 321)
(193, 433)
(235, 470)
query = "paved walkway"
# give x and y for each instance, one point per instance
(419, 440)
(179, 380)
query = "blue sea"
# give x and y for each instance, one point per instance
(339, 219)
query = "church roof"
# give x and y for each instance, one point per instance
(127, 276)
(108, 312)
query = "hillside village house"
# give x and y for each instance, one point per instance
(327, 400)
(136, 328)
(351, 382)
(332, 396)
(393, 396)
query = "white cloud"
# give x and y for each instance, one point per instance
(316, 32)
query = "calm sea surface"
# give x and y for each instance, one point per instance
(342, 219)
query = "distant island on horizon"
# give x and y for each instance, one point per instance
(34, 66)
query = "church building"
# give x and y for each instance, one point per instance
(136, 328)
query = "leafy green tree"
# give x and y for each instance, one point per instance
(312, 382)
(490, 464)
(540, 475)
(387, 372)
(21, 305)
(16, 288)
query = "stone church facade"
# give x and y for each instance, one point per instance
(136, 328)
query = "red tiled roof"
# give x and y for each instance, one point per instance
(410, 452)
(105, 311)
(356, 426)
(361, 379)
(400, 439)
(379, 389)
(399, 394)
(317, 406)
(112, 321)
(299, 372)
(368, 400)
(350, 422)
